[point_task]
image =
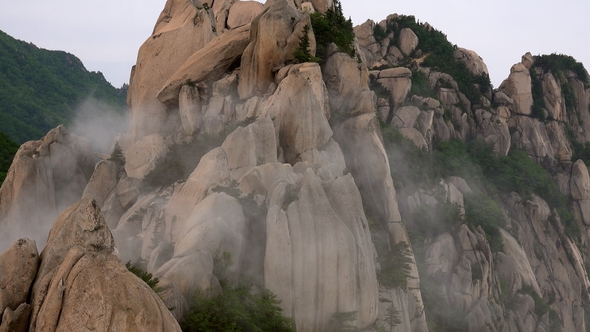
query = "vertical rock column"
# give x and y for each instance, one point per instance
(362, 144)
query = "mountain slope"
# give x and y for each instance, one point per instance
(40, 89)
(8, 149)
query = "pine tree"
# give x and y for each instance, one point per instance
(117, 154)
(302, 53)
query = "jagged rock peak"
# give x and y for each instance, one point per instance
(82, 284)
(45, 177)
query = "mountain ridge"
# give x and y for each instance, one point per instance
(40, 89)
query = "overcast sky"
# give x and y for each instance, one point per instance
(106, 34)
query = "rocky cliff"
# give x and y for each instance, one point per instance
(388, 180)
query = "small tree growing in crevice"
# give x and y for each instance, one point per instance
(148, 278)
(302, 53)
(343, 322)
(117, 155)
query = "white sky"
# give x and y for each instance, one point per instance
(107, 34)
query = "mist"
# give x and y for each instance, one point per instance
(100, 123)
(50, 180)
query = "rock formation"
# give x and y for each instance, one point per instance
(79, 282)
(46, 176)
(300, 173)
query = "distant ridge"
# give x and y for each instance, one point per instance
(40, 89)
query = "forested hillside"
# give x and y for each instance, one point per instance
(7, 150)
(40, 89)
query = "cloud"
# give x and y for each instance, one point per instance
(100, 123)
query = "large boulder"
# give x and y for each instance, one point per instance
(220, 13)
(367, 44)
(494, 130)
(103, 181)
(45, 177)
(183, 28)
(274, 37)
(190, 109)
(532, 137)
(518, 87)
(243, 12)
(141, 158)
(405, 117)
(473, 61)
(358, 134)
(299, 110)
(250, 146)
(365, 155)
(322, 6)
(82, 284)
(19, 265)
(397, 81)
(345, 80)
(580, 181)
(206, 65)
(408, 41)
(513, 265)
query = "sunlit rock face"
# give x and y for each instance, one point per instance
(81, 283)
(183, 28)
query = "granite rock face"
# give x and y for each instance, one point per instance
(183, 28)
(45, 177)
(77, 282)
(292, 170)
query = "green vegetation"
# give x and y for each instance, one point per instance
(8, 149)
(332, 27)
(537, 110)
(558, 63)
(440, 55)
(302, 53)
(143, 275)
(391, 318)
(343, 322)
(491, 176)
(420, 85)
(40, 89)
(541, 306)
(579, 150)
(427, 220)
(482, 211)
(395, 265)
(237, 308)
(117, 154)
(476, 162)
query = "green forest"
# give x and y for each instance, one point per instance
(40, 89)
(8, 149)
